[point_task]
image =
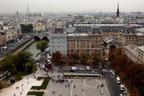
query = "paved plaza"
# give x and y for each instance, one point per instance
(77, 87)
(89, 86)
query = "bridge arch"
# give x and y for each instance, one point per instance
(45, 38)
(36, 38)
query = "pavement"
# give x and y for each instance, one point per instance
(22, 87)
(77, 87)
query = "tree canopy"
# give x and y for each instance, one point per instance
(26, 28)
(131, 73)
(16, 63)
(42, 45)
(57, 57)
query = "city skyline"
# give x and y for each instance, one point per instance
(71, 6)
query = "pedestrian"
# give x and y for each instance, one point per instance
(82, 89)
(65, 86)
(102, 85)
(20, 93)
(68, 85)
(74, 86)
(53, 92)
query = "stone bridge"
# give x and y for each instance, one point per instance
(41, 36)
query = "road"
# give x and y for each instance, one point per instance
(114, 88)
(11, 48)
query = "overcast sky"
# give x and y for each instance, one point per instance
(71, 5)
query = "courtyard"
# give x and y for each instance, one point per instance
(83, 86)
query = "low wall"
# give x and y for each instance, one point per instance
(24, 46)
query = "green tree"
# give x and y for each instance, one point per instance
(21, 59)
(42, 45)
(15, 62)
(26, 28)
(7, 64)
(30, 66)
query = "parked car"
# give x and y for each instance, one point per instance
(89, 68)
(124, 94)
(73, 69)
(122, 87)
(112, 72)
(118, 80)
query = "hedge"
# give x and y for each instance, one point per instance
(44, 84)
(35, 93)
(82, 76)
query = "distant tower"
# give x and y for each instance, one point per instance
(28, 11)
(118, 12)
(17, 13)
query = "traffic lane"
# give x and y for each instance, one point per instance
(12, 48)
(113, 86)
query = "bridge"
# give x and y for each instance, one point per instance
(25, 43)
(41, 36)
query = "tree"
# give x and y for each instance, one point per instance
(8, 64)
(89, 62)
(67, 61)
(96, 61)
(84, 58)
(57, 57)
(17, 63)
(21, 59)
(42, 45)
(26, 28)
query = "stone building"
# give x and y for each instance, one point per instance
(82, 42)
(135, 53)
(97, 39)
(2, 38)
(58, 42)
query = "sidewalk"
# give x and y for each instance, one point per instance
(21, 87)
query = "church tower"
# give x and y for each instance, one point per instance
(118, 12)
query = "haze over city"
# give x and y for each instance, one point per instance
(71, 47)
(7, 6)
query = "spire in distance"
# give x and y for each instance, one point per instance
(28, 10)
(118, 12)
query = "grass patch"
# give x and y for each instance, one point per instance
(44, 84)
(35, 93)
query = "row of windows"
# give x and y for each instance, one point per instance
(88, 51)
(84, 46)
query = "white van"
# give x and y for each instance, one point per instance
(73, 69)
(118, 80)
(122, 87)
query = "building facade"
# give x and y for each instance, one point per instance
(2, 38)
(96, 39)
(135, 53)
(58, 42)
(79, 43)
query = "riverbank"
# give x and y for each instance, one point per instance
(32, 49)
